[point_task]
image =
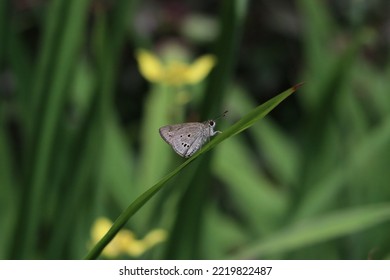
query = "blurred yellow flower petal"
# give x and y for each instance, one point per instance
(135, 249)
(100, 228)
(138, 247)
(175, 73)
(155, 236)
(125, 242)
(115, 247)
(200, 69)
(150, 66)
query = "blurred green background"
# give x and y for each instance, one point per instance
(79, 126)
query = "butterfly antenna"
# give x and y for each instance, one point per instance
(222, 115)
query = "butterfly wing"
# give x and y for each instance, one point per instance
(185, 139)
(196, 144)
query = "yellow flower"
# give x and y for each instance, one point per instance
(125, 242)
(175, 73)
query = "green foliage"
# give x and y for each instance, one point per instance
(244, 123)
(79, 133)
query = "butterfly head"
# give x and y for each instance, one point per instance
(211, 123)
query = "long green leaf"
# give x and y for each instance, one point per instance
(318, 230)
(244, 123)
(32, 210)
(187, 227)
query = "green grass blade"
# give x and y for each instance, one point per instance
(186, 229)
(327, 189)
(9, 190)
(244, 123)
(42, 72)
(318, 230)
(260, 199)
(232, 20)
(249, 119)
(3, 31)
(32, 209)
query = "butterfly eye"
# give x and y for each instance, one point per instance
(211, 123)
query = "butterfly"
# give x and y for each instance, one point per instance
(187, 138)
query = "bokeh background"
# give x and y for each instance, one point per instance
(79, 126)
